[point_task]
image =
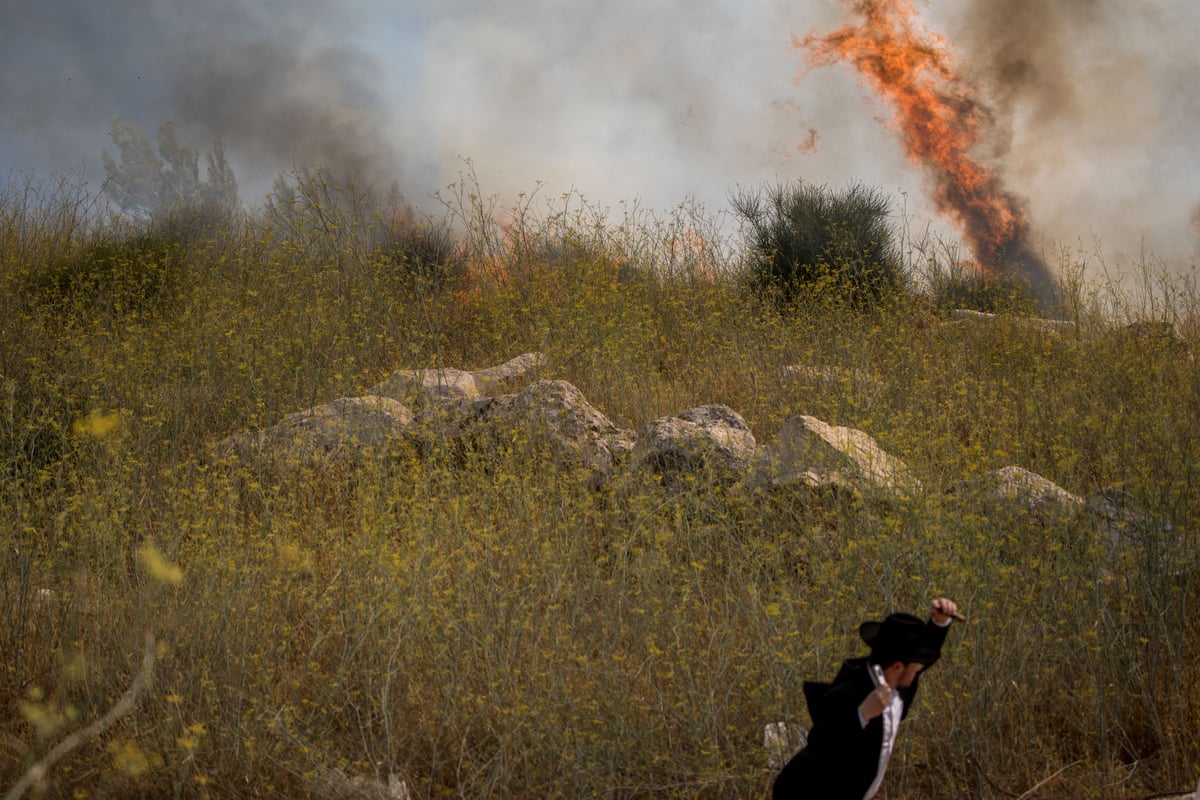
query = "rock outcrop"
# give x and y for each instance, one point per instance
(488, 380)
(814, 453)
(1031, 491)
(556, 412)
(712, 436)
(344, 428)
(444, 383)
(448, 383)
(452, 410)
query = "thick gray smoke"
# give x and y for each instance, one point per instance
(627, 99)
(283, 83)
(1096, 113)
(314, 107)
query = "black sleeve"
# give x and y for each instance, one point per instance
(839, 713)
(936, 636)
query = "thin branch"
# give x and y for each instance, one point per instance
(1044, 781)
(38, 771)
(998, 789)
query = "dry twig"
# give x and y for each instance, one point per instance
(38, 771)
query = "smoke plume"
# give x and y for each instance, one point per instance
(277, 81)
(1092, 116)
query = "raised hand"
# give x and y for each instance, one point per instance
(943, 610)
(876, 702)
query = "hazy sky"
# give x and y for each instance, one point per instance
(1096, 101)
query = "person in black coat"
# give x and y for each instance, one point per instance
(855, 718)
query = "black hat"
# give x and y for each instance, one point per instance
(900, 637)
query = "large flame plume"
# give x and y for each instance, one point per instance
(940, 120)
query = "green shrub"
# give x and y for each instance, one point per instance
(420, 252)
(114, 273)
(809, 241)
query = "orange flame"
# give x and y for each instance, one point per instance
(938, 117)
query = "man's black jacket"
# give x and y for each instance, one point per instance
(842, 757)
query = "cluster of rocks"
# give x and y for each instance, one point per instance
(334, 784)
(452, 406)
(455, 406)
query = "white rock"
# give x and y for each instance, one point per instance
(713, 435)
(343, 427)
(812, 452)
(445, 383)
(1034, 492)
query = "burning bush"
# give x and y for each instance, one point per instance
(810, 241)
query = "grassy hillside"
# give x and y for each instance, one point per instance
(489, 626)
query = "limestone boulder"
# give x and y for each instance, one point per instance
(1032, 492)
(1127, 532)
(490, 379)
(576, 430)
(551, 411)
(444, 383)
(713, 436)
(345, 427)
(447, 383)
(811, 452)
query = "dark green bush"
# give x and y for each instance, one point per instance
(135, 272)
(422, 252)
(808, 241)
